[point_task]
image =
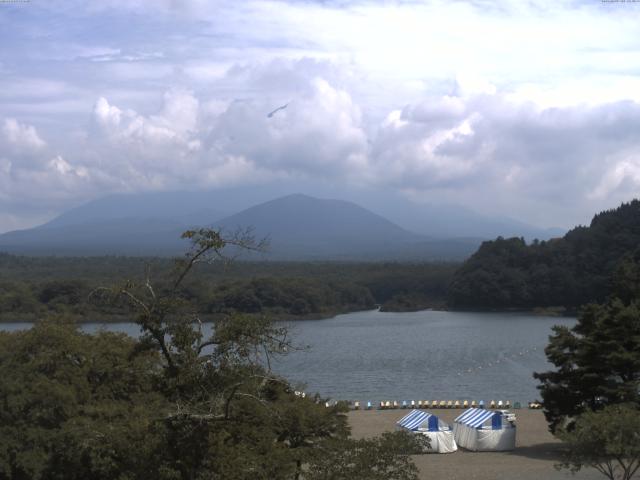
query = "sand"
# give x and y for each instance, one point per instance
(533, 459)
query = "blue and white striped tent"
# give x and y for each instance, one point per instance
(483, 430)
(439, 433)
(417, 419)
(476, 417)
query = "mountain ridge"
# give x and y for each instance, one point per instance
(301, 226)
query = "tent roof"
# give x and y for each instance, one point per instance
(475, 417)
(414, 419)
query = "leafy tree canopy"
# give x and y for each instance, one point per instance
(177, 403)
(598, 360)
(607, 440)
(569, 271)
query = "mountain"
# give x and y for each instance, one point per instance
(569, 271)
(124, 236)
(441, 221)
(299, 227)
(450, 221)
(179, 208)
(302, 225)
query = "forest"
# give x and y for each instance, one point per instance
(32, 287)
(566, 272)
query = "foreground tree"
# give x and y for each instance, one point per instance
(383, 458)
(598, 360)
(230, 416)
(183, 402)
(607, 440)
(77, 406)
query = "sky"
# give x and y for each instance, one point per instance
(528, 109)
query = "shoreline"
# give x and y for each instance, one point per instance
(210, 318)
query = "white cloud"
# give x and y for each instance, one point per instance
(63, 168)
(319, 132)
(524, 104)
(107, 115)
(174, 127)
(21, 137)
(622, 179)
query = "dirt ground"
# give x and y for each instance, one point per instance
(533, 459)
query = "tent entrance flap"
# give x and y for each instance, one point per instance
(433, 423)
(496, 422)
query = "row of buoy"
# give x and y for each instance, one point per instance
(442, 404)
(496, 362)
(389, 405)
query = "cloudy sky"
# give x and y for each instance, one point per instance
(529, 109)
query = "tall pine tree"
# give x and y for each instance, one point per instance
(598, 360)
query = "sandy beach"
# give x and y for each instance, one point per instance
(533, 459)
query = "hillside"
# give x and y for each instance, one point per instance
(300, 227)
(568, 271)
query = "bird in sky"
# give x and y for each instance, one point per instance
(271, 114)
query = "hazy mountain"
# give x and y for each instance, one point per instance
(441, 220)
(433, 220)
(126, 236)
(311, 220)
(181, 208)
(446, 221)
(298, 226)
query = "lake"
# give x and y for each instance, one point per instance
(426, 355)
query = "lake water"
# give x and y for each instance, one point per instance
(425, 355)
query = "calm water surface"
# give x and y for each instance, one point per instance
(424, 355)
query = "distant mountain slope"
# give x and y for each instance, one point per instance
(137, 224)
(300, 227)
(298, 224)
(127, 236)
(183, 208)
(570, 271)
(434, 220)
(447, 221)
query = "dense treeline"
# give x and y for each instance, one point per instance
(289, 296)
(568, 272)
(32, 287)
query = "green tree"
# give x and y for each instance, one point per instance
(598, 360)
(182, 402)
(76, 406)
(607, 440)
(382, 458)
(570, 271)
(230, 416)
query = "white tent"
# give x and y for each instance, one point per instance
(484, 431)
(424, 423)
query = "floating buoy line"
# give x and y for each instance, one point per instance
(494, 363)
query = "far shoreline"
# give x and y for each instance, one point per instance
(211, 318)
